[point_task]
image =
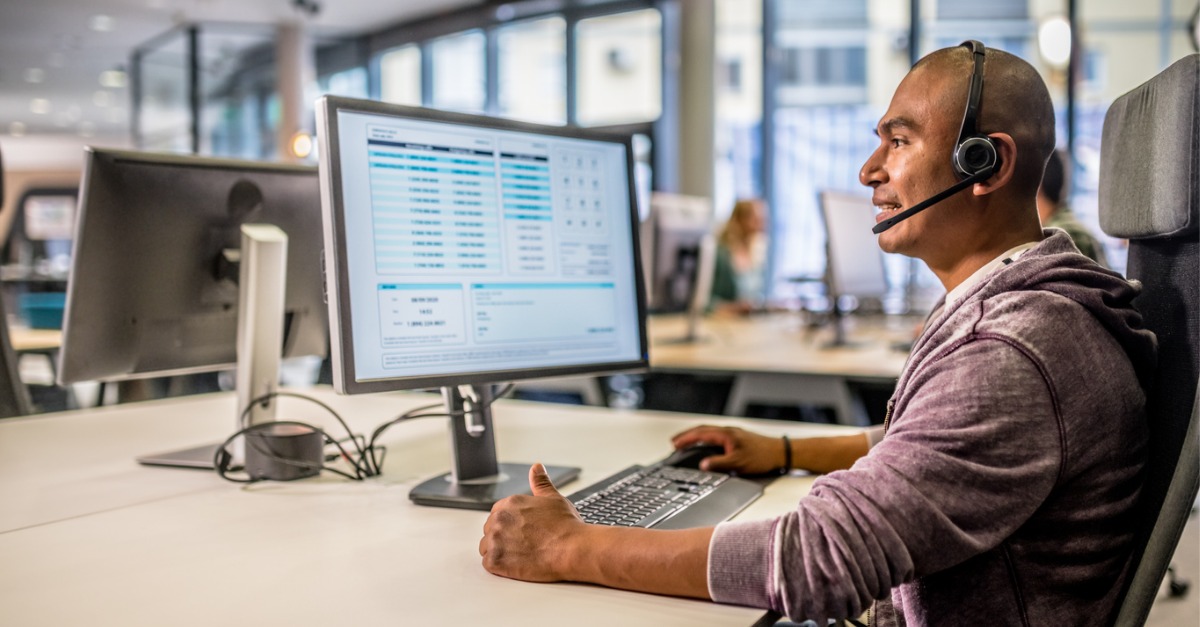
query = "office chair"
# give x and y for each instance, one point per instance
(14, 396)
(1150, 195)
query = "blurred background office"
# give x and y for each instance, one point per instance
(730, 99)
(726, 99)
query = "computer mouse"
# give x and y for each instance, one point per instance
(690, 457)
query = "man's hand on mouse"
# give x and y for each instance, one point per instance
(745, 452)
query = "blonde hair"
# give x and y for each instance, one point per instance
(734, 234)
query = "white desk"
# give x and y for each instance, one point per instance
(89, 537)
(25, 339)
(776, 359)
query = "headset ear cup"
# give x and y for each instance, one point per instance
(975, 155)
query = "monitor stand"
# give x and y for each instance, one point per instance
(838, 320)
(477, 479)
(262, 275)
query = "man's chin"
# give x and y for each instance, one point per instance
(892, 242)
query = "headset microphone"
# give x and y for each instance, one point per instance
(975, 156)
(980, 176)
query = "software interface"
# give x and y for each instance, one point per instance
(473, 249)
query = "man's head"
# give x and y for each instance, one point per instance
(913, 162)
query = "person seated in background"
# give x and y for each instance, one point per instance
(1055, 213)
(1003, 485)
(739, 275)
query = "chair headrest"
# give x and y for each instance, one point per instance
(1150, 157)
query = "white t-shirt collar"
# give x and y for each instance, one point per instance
(1004, 259)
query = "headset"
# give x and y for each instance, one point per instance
(975, 156)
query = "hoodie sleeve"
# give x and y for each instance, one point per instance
(966, 461)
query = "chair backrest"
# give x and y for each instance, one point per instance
(1150, 195)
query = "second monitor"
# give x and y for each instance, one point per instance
(154, 285)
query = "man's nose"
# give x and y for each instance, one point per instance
(872, 173)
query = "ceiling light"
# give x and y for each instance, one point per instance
(62, 121)
(40, 106)
(101, 23)
(101, 98)
(116, 115)
(16, 129)
(35, 75)
(1054, 41)
(302, 144)
(56, 59)
(86, 129)
(112, 79)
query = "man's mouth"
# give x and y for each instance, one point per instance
(886, 210)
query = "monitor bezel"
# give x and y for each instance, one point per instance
(345, 379)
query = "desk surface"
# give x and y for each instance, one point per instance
(87, 535)
(779, 343)
(24, 338)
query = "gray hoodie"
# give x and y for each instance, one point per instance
(1004, 488)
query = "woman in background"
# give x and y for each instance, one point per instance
(738, 279)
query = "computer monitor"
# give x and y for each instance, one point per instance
(854, 262)
(39, 240)
(463, 251)
(671, 242)
(156, 275)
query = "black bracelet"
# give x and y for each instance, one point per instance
(787, 456)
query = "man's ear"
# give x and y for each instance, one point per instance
(1007, 149)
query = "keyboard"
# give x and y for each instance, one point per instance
(664, 497)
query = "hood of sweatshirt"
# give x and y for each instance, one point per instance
(1054, 265)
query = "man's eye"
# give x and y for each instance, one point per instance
(896, 142)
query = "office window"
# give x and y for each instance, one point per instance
(738, 132)
(1124, 44)
(400, 75)
(458, 72)
(351, 83)
(164, 117)
(990, 10)
(821, 13)
(835, 68)
(619, 68)
(533, 70)
(822, 52)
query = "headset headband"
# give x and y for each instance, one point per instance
(971, 115)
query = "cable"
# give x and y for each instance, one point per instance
(223, 459)
(367, 460)
(414, 413)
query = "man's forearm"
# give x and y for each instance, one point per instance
(647, 560)
(828, 454)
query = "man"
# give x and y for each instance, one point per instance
(1054, 211)
(1003, 488)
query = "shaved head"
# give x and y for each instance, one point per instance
(1014, 101)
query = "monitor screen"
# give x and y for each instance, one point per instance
(855, 262)
(49, 217)
(671, 239)
(149, 293)
(463, 249)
